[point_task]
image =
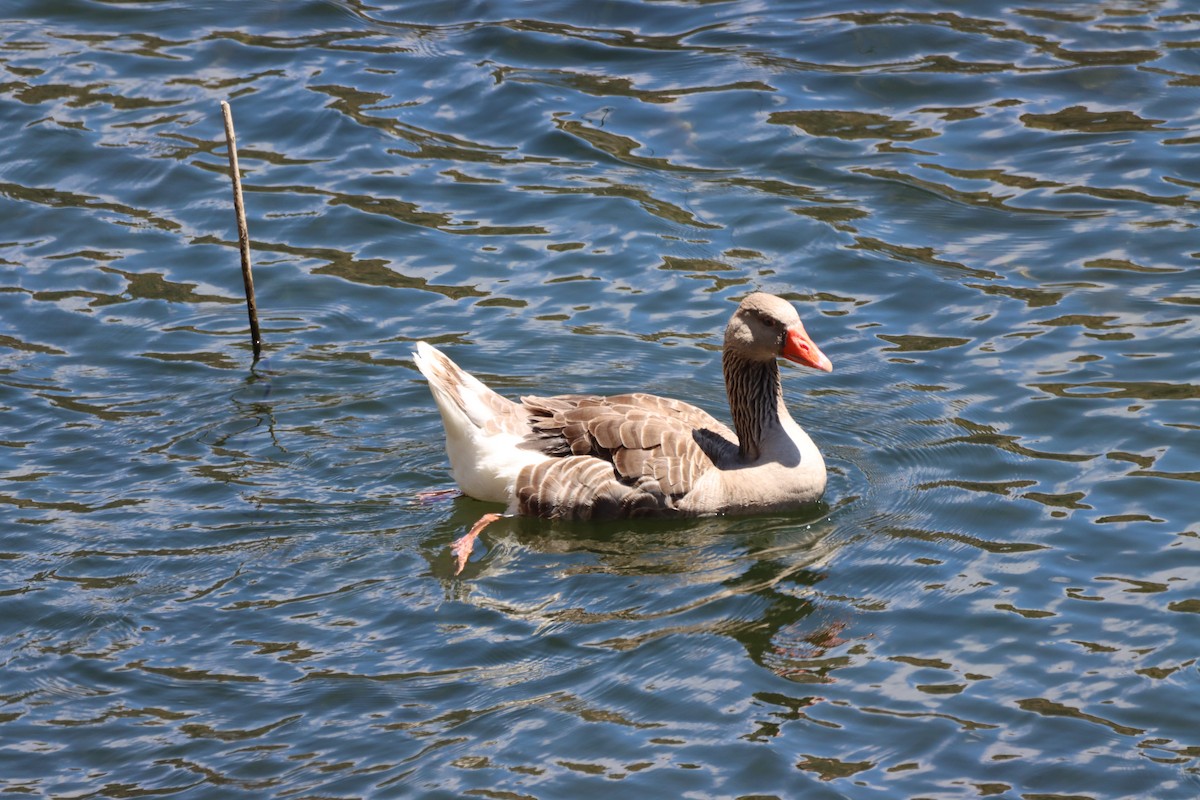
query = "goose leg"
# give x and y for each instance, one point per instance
(462, 546)
(436, 495)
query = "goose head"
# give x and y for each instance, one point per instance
(766, 327)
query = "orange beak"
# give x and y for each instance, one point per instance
(799, 348)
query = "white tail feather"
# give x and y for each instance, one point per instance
(483, 429)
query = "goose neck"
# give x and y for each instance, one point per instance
(755, 399)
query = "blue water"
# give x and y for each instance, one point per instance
(222, 578)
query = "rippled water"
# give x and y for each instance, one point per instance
(222, 579)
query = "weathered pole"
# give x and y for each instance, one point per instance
(243, 233)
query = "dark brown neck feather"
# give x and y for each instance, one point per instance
(754, 397)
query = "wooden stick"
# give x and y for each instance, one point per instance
(243, 232)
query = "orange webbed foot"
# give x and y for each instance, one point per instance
(462, 546)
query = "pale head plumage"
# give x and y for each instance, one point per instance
(757, 329)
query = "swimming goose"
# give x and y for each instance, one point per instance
(638, 455)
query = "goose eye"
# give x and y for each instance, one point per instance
(765, 319)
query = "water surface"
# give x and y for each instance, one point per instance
(228, 579)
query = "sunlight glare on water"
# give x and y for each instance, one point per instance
(229, 579)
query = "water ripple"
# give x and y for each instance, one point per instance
(218, 575)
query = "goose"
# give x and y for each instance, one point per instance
(637, 455)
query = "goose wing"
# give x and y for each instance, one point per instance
(625, 455)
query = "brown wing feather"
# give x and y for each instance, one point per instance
(621, 456)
